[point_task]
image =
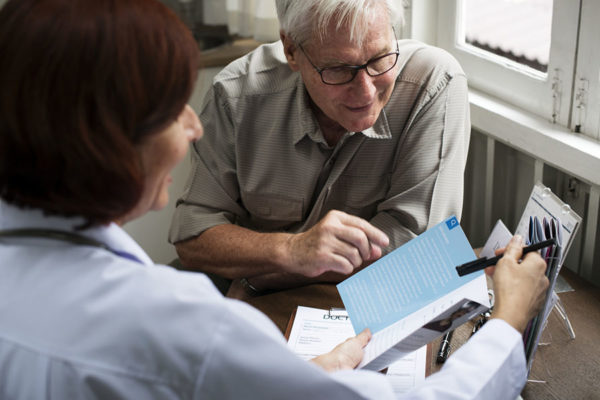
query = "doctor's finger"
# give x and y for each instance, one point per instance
(514, 249)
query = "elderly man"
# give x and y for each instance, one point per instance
(323, 151)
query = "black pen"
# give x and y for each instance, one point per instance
(477, 325)
(482, 263)
(444, 350)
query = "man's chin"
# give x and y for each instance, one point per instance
(360, 126)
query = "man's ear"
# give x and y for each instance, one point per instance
(289, 49)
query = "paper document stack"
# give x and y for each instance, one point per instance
(545, 217)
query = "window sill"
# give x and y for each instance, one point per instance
(222, 55)
(572, 153)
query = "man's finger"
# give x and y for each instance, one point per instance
(376, 252)
(374, 235)
(352, 238)
(341, 264)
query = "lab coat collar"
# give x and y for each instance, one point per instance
(12, 217)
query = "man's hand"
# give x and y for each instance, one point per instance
(346, 355)
(339, 243)
(519, 288)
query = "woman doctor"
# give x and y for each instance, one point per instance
(93, 118)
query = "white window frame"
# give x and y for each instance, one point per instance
(545, 94)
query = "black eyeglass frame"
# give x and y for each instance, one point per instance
(356, 68)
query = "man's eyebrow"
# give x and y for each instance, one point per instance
(334, 62)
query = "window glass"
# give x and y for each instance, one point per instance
(519, 30)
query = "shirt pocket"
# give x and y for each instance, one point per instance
(359, 194)
(272, 211)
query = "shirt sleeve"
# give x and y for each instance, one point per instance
(211, 194)
(491, 365)
(427, 180)
(249, 359)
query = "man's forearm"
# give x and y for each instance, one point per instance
(234, 252)
(285, 280)
(339, 243)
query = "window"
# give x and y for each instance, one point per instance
(546, 91)
(563, 88)
(516, 30)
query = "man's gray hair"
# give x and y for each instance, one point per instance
(303, 20)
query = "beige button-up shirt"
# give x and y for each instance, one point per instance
(263, 162)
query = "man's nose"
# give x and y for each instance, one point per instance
(362, 84)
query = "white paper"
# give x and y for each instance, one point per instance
(408, 334)
(408, 372)
(408, 297)
(316, 331)
(498, 239)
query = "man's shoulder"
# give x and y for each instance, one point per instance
(262, 71)
(422, 63)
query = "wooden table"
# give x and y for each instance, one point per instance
(569, 368)
(281, 305)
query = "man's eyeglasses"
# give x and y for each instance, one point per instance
(346, 73)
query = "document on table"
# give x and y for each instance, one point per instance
(315, 331)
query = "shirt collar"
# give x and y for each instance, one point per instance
(381, 128)
(12, 217)
(310, 127)
(308, 122)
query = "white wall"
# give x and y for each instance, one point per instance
(151, 230)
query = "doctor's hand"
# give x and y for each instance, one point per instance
(339, 243)
(346, 355)
(519, 288)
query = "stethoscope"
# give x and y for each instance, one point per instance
(65, 236)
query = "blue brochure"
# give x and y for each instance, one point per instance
(409, 278)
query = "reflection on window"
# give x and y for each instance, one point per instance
(519, 30)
